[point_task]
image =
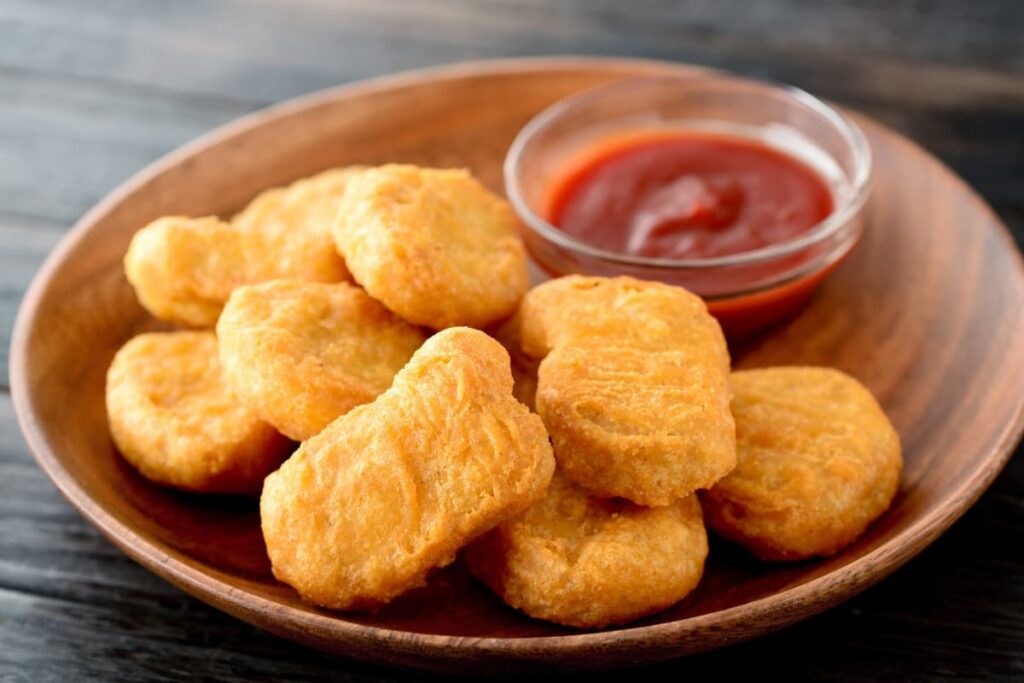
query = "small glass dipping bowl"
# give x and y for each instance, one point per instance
(745, 291)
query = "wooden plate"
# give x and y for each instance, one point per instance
(928, 312)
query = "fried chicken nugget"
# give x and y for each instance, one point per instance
(184, 269)
(365, 509)
(818, 461)
(524, 367)
(174, 418)
(433, 245)
(633, 386)
(300, 354)
(309, 206)
(589, 562)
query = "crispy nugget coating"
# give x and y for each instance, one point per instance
(589, 562)
(174, 418)
(365, 509)
(435, 246)
(633, 386)
(303, 214)
(171, 263)
(300, 354)
(818, 461)
(184, 269)
(524, 367)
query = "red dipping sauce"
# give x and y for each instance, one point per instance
(688, 194)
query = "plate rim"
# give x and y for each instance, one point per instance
(775, 611)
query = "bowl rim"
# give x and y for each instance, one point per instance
(834, 222)
(359, 640)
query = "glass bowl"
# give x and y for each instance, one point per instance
(747, 290)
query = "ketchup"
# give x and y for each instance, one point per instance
(688, 194)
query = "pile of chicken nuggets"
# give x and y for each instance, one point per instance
(570, 442)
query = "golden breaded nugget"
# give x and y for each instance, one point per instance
(433, 245)
(302, 353)
(174, 418)
(173, 265)
(524, 367)
(365, 509)
(633, 386)
(817, 462)
(308, 206)
(589, 562)
(184, 269)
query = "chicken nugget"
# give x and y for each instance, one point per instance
(365, 509)
(633, 386)
(174, 418)
(817, 462)
(524, 367)
(433, 245)
(309, 207)
(589, 562)
(300, 354)
(184, 269)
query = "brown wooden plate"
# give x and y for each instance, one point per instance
(928, 312)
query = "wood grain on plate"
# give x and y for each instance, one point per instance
(927, 312)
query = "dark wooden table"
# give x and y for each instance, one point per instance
(92, 91)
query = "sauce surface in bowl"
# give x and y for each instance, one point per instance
(687, 195)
